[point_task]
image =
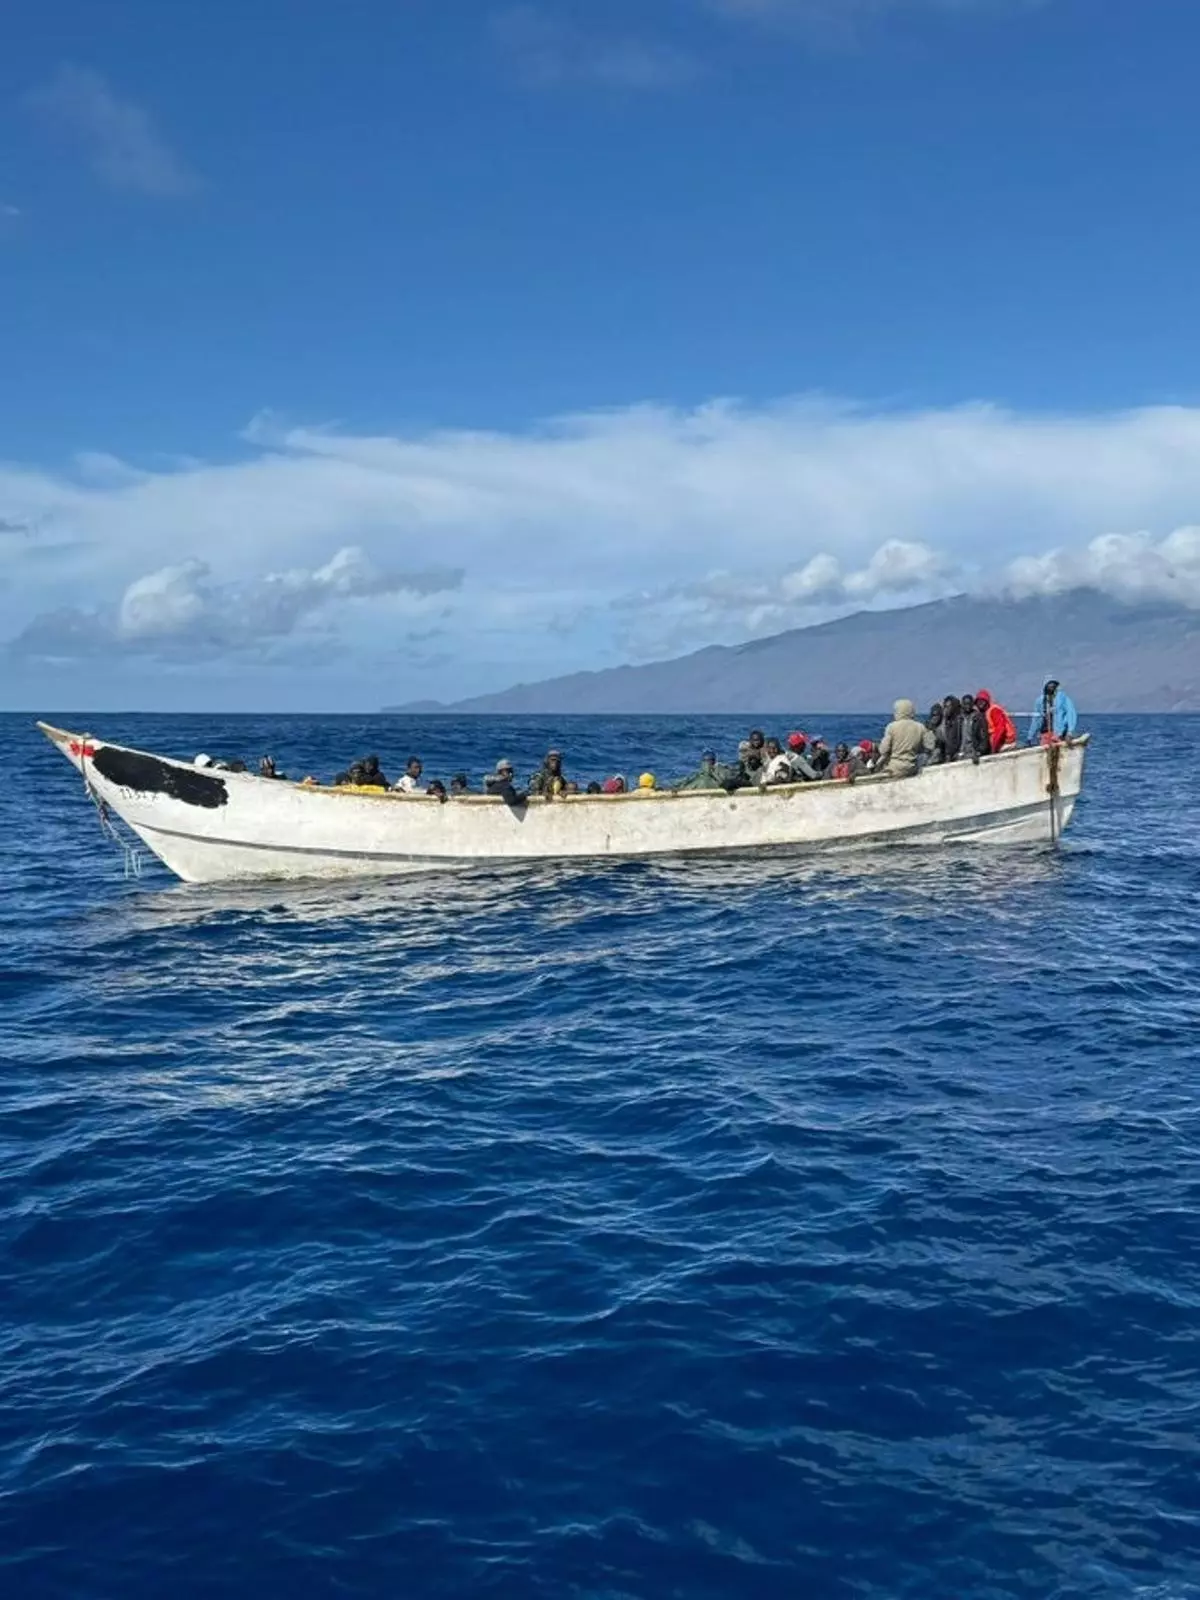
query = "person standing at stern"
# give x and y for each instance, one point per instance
(1054, 716)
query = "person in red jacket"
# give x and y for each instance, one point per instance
(1002, 730)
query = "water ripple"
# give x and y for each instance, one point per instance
(663, 1229)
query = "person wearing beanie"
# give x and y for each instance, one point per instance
(646, 782)
(904, 741)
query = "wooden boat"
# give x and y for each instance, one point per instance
(210, 826)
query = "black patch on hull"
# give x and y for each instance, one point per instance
(148, 774)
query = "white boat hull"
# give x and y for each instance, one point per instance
(210, 827)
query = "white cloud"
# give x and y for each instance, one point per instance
(899, 566)
(1129, 566)
(605, 531)
(731, 605)
(547, 51)
(122, 144)
(180, 611)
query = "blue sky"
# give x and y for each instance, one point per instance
(405, 347)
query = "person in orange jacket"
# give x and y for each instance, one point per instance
(1002, 730)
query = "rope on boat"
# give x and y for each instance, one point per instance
(1053, 755)
(132, 856)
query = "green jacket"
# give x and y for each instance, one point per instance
(703, 778)
(547, 783)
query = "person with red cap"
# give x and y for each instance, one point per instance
(1002, 730)
(865, 757)
(802, 768)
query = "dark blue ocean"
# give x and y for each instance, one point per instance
(624, 1231)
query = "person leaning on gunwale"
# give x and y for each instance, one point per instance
(500, 784)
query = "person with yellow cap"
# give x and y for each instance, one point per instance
(646, 781)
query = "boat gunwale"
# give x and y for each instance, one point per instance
(63, 736)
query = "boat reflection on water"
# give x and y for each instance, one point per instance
(953, 879)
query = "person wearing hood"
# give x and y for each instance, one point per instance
(706, 776)
(1001, 729)
(934, 722)
(904, 740)
(975, 738)
(1054, 716)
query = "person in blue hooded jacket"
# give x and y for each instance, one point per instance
(1054, 713)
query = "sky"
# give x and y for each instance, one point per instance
(408, 349)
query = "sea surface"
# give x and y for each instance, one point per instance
(620, 1231)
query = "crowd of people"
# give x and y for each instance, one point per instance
(957, 728)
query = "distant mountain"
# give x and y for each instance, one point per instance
(1111, 656)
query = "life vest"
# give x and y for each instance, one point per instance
(1002, 730)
